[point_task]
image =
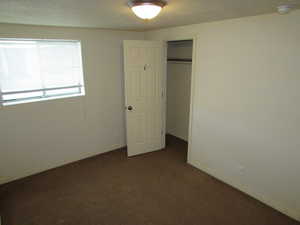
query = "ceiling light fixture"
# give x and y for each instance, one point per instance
(146, 9)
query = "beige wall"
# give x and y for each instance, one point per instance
(178, 91)
(42, 135)
(246, 123)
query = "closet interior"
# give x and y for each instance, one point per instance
(179, 72)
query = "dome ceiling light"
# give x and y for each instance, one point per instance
(146, 9)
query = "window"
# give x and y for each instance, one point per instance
(39, 69)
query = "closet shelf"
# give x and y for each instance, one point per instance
(180, 60)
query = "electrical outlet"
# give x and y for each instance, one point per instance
(241, 170)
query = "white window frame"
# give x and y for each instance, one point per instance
(44, 97)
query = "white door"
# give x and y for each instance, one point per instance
(145, 71)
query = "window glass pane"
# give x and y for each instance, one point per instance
(19, 67)
(60, 64)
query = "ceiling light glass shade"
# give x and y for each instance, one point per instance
(146, 11)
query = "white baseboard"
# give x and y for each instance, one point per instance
(4, 180)
(178, 136)
(243, 188)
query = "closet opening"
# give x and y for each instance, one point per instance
(178, 94)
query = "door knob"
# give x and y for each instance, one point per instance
(129, 108)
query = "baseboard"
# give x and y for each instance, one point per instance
(243, 188)
(114, 147)
(177, 136)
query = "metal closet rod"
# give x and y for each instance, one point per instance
(179, 60)
(181, 41)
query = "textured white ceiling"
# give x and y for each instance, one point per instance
(115, 14)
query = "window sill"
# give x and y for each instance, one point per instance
(40, 100)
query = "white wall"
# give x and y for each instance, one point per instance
(178, 90)
(37, 136)
(246, 114)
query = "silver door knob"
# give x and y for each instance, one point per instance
(129, 108)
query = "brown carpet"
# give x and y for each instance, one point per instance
(158, 188)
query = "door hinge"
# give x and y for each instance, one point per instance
(162, 94)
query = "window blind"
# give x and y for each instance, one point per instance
(39, 69)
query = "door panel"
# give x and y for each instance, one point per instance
(144, 63)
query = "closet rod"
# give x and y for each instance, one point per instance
(181, 41)
(179, 60)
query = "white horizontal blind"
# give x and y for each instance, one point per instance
(39, 69)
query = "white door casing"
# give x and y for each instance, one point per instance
(145, 68)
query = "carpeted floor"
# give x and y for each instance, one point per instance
(158, 188)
